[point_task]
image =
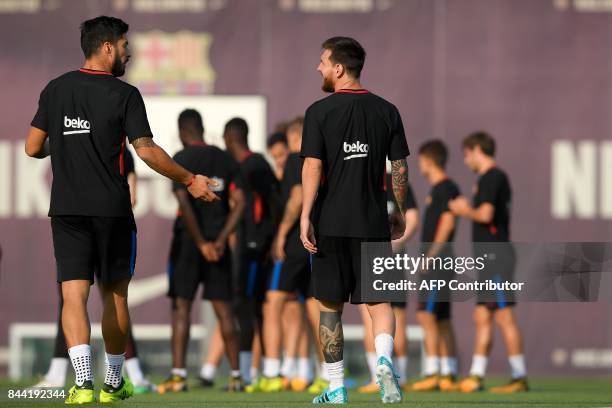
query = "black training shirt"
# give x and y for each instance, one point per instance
(437, 204)
(87, 115)
(292, 176)
(493, 187)
(409, 200)
(220, 167)
(128, 163)
(353, 132)
(262, 197)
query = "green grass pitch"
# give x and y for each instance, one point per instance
(545, 393)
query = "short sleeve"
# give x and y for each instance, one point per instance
(182, 160)
(128, 162)
(398, 147)
(235, 177)
(450, 192)
(136, 124)
(489, 187)
(40, 120)
(262, 179)
(313, 143)
(293, 171)
(410, 201)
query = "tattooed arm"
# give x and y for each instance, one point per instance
(293, 208)
(331, 336)
(399, 176)
(157, 159)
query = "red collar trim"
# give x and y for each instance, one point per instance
(196, 143)
(94, 72)
(246, 156)
(353, 91)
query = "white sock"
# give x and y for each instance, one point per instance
(323, 373)
(254, 374)
(479, 365)
(134, 372)
(181, 372)
(336, 374)
(80, 356)
(401, 368)
(383, 343)
(208, 371)
(432, 365)
(114, 366)
(304, 369)
(271, 367)
(246, 360)
(448, 366)
(371, 360)
(517, 364)
(57, 370)
(235, 373)
(289, 367)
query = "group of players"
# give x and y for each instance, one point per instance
(276, 250)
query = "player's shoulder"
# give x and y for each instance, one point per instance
(495, 174)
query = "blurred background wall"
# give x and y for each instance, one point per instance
(537, 74)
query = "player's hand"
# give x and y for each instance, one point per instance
(459, 206)
(220, 247)
(307, 235)
(200, 188)
(278, 248)
(209, 251)
(398, 239)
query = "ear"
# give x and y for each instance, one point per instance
(339, 70)
(108, 48)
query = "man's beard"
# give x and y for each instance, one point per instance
(328, 85)
(118, 68)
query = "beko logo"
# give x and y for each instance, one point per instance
(360, 150)
(80, 125)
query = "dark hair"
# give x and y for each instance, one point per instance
(482, 139)
(278, 137)
(436, 150)
(240, 128)
(296, 124)
(192, 120)
(347, 52)
(99, 30)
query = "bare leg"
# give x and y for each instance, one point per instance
(484, 330)
(225, 319)
(181, 322)
(216, 349)
(116, 316)
(292, 327)
(75, 319)
(510, 331)
(272, 322)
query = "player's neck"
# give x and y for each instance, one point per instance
(242, 153)
(349, 83)
(437, 176)
(93, 65)
(486, 165)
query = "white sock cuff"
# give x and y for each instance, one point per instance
(115, 359)
(80, 350)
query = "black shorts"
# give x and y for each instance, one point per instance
(252, 277)
(336, 269)
(442, 310)
(292, 274)
(502, 270)
(187, 269)
(86, 246)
